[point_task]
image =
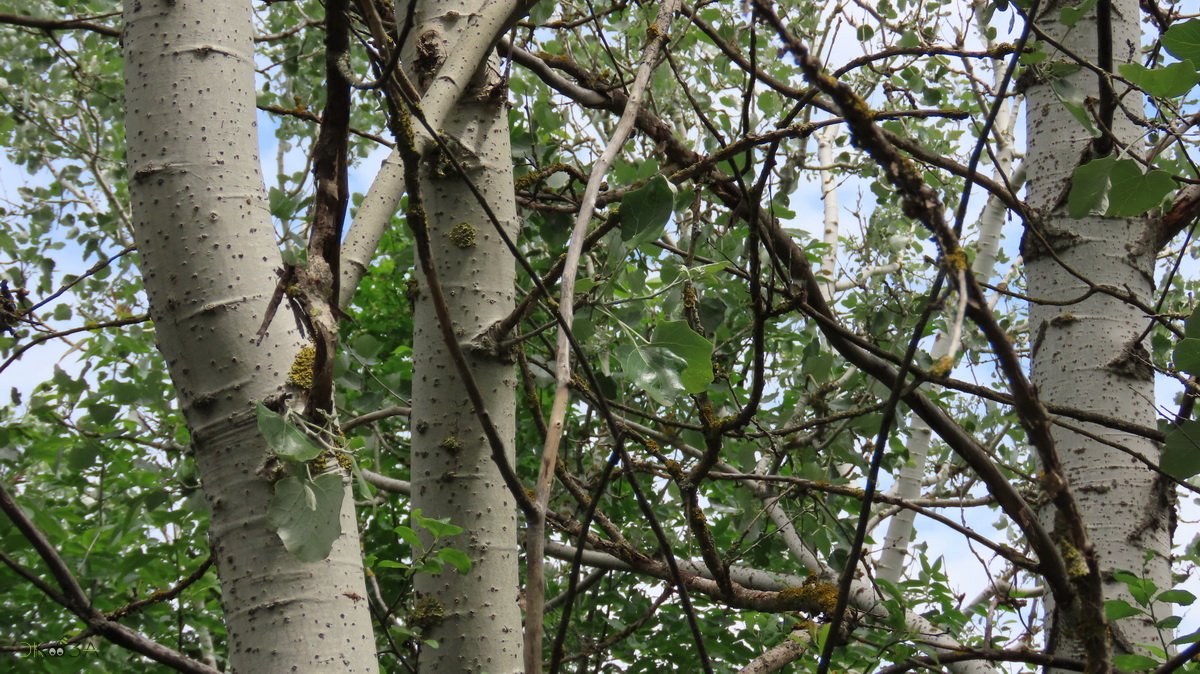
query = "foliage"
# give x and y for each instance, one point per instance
(98, 454)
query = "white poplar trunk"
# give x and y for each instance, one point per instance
(208, 253)
(1084, 354)
(829, 198)
(453, 475)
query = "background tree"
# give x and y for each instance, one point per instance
(745, 451)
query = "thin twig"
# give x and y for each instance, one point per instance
(535, 541)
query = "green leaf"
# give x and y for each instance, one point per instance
(1073, 99)
(1187, 355)
(102, 413)
(409, 536)
(1191, 327)
(431, 567)
(286, 441)
(541, 11)
(1181, 452)
(655, 371)
(1181, 597)
(456, 558)
(677, 360)
(368, 347)
(438, 528)
(1134, 663)
(646, 211)
(1090, 187)
(1133, 192)
(1183, 40)
(307, 514)
(282, 205)
(1168, 81)
(1170, 622)
(125, 393)
(1069, 16)
(389, 564)
(83, 455)
(678, 338)
(1142, 589)
(1115, 609)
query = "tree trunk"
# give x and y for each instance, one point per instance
(453, 474)
(1086, 353)
(208, 255)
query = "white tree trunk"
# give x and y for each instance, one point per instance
(1084, 353)
(453, 475)
(825, 138)
(208, 255)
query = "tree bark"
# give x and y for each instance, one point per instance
(453, 474)
(1087, 354)
(208, 255)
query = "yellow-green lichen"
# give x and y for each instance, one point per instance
(301, 372)
(814, 596)
(463, 235)
(320, 464)
(451, 444)
(674, 469)
(526, 181)
(1076, 564)
(957, 260)
(719, 372)
(579, 383)
(689, 296)
(942, 367)
(529, 179)
(426, 613)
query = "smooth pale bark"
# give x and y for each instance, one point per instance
(472, 45)
(825, 138)
(370, 221)
(1084, 353)
(453, 474)
(208, 253)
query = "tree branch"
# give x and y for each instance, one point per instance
(74, 599)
